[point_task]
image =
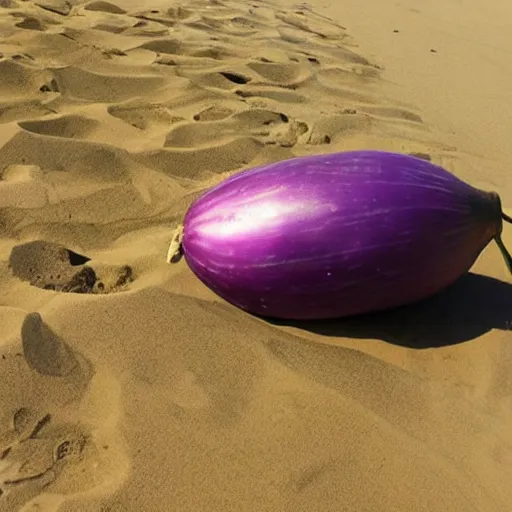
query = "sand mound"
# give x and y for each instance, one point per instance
(127, 385)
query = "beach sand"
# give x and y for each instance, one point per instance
(145, 391)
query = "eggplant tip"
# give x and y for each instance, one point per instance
(175, 251)
(506, 255)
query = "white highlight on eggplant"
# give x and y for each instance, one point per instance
(251, 219)
(234, 199)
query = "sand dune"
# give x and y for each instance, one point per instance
(126, 384)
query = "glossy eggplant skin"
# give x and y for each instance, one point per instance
(340, 234)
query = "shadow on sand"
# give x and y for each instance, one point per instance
(474, 305)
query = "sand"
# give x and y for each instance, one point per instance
(128, 385)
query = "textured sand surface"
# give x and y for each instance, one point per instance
(125, 384)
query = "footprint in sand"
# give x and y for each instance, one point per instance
(179, 13)
(30, 23)
(51, 266)
(167, 46)
(44, 352)
(274, 94)
(144, 115)
(87, 85)
(146, 28)
(155, 16)
(264, 125)
(104, 7)
(331, 129)
(44, 446)
(290, 75)
(255, 76)
(113, 25)
(62, 7)
(213, 113)
(227, 80)
(17, 80)
(71, 126)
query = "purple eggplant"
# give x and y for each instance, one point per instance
(340, 234)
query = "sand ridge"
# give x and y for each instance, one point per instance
(129, 385)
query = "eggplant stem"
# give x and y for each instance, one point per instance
(505, 217)
(506, 255)
(175, 251)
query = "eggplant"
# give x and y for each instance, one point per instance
(335, 235)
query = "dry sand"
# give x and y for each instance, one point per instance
(147, 392)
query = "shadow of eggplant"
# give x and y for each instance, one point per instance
(473, 306)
